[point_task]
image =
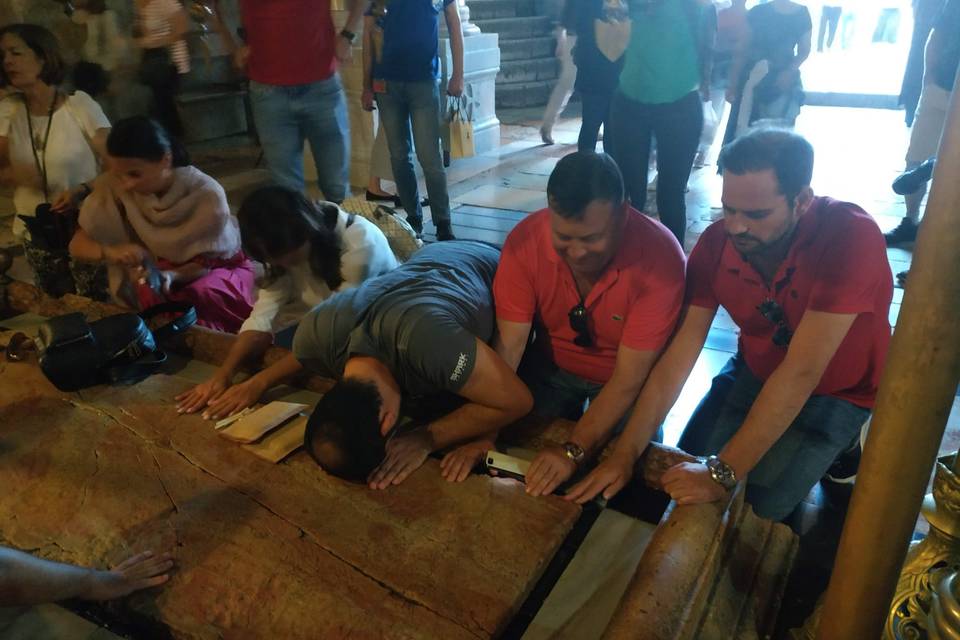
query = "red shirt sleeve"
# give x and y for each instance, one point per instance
(853, 266)
(513, 286)
(654, 314)
(702, 265)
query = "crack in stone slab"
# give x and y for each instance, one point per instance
(89, 481)
(316, 541)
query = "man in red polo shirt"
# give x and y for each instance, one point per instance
(808, 283)
(603, 285)
(290, 55)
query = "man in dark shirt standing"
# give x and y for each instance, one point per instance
(418, 331)
(401, 69)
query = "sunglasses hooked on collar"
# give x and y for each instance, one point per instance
(771, 310)
(580, 323)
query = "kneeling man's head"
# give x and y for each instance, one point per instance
(587, 205)
(766, 188)
(343, 434)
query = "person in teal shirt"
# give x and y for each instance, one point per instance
(666, 69)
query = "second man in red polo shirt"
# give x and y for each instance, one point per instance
(601, 286)
(807, 281)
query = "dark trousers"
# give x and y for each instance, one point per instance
(829, 20)
(596, 111)
(676, 126)
(158, 72)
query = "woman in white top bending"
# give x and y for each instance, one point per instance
(50, 147)
(311, 251)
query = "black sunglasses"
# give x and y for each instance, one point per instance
(772, 311)
(579, 323)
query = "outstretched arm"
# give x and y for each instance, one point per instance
(552, 467)
(657, 397)
(26, 580)
(783, 395)
(495, 398)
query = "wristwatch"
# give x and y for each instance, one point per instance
(574, 451)
(722, 473)
(349, 35)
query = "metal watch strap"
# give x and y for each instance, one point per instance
(721, 473)
(574, 451)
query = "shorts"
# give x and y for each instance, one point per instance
(928, 123)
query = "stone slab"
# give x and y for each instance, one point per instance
(262, 550)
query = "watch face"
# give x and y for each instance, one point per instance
(574, 451)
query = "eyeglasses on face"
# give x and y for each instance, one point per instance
(579, 322)
(771, 310)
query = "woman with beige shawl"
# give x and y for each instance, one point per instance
(165, 230)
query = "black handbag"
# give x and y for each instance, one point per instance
(119, 349)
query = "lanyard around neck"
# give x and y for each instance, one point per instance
(41, 166)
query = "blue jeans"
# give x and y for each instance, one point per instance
(561, 394)
(416, 105)
(287, 115)
(824, 428)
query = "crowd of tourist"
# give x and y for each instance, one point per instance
(590, 311)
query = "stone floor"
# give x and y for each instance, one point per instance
(859, 152)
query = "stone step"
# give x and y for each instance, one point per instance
(523, 94)
(544, 47)
(515, 28)
(214, 111)
(489, 9)
(527, 70)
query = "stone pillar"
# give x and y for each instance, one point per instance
(469, 29)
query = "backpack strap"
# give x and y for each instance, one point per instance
(187, 319)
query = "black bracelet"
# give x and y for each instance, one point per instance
(349, 35)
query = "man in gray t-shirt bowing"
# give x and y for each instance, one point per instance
(419, 330)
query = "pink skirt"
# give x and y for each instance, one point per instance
(223, 297)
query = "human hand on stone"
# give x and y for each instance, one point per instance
(141, 571)
(201, 395)
(236, 398)
(691, 483)
(405, 454)
(608, 478)
(549, 470)
(457, 465)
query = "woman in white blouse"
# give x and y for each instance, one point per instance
(51, 143)
(311, 251)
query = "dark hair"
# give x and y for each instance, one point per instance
(343, 433)
(788, 154)
(145, 139)
(46, 47)
(275, 220)
(580, 178)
